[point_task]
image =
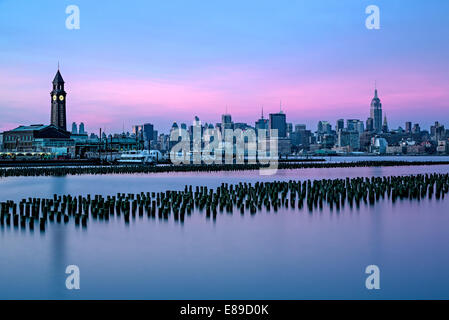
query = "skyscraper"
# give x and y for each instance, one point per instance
(81, 128)
(408, 127)
(278, 121)
(58, 107)
(74, 128)
(262, 123)
(385, 125)
(369, 124)
(376, 112)
(226, 123)
(289, 129)
(355, 125)
(324, 127)
(340, 125)
(351, 124)
(148, 132)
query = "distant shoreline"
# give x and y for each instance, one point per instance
(143, 169)
(97, 162)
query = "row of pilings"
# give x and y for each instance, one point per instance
(130, 169)
(243, 198)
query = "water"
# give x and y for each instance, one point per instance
(291, 254)
(384, 158)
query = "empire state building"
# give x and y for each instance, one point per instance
(376, 112)
(58, 108)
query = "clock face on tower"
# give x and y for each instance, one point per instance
(61, 97)
(54, 97)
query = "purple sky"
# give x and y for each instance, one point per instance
(169, 61)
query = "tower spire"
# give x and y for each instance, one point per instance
(262, 112)
(375, 89)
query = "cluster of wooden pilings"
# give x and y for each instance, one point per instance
(244, 198)
(129, 169)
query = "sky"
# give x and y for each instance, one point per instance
(134, 62)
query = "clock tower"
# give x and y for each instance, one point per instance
(58, 110)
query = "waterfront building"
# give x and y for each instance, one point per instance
(443, 146)
(393, 150)
(36, 138)
(109, 147)
(379, 145)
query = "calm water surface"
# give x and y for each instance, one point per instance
(291, 254)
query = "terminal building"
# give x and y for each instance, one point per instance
(52, 138)
(37, 138)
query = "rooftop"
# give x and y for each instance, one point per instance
(32, 127)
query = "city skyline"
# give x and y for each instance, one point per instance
(332, 122)
(319, 59)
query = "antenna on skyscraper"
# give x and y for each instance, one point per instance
(375, 88)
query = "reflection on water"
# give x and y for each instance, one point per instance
(58, 262)
(291, 254)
